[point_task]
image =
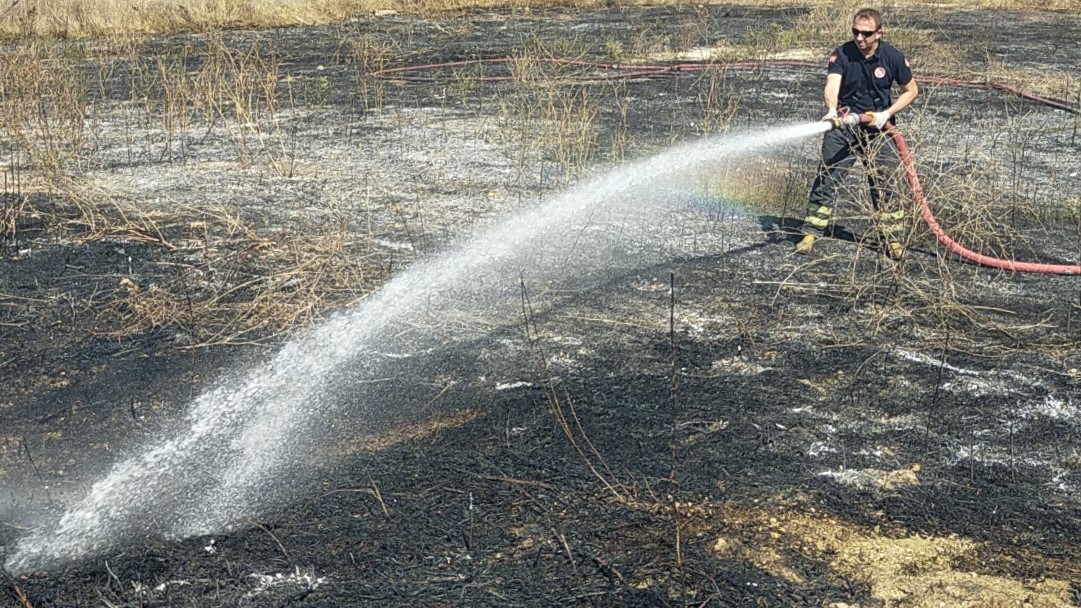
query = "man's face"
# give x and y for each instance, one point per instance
(865, 32)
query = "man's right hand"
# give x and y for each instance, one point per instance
(831, 115)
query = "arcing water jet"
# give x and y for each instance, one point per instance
(249, 445)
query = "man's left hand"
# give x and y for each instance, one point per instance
(879, 119)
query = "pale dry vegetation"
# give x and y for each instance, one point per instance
(123, 18)
(224, 277)
(226, 281)
(235, 283)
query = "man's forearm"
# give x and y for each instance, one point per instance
(904, 99)
(831, 94)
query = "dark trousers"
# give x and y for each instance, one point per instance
(878, 153)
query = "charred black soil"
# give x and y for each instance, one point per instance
(737, 426)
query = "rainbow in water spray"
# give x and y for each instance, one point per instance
(246, 446)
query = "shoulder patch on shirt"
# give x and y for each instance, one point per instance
(833, 58)
(906, 63)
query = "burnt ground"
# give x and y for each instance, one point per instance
(834, 430)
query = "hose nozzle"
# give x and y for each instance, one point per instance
(846, 119)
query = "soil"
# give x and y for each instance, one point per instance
(719, 423)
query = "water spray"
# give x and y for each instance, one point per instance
(242, 435)
(251, 445)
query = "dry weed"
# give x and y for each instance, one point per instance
(233, 285)
(45, 111)
(110, 18)
(49, 124)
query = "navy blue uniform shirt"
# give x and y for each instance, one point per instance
(865, 83)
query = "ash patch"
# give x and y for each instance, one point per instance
(766, 393)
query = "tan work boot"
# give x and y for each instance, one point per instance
(805, 244)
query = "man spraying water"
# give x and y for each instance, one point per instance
(859, 79)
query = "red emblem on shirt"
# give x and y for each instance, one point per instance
(906, 63)
(833, 58)
(880, 72)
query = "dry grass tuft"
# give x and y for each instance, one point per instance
(899, 569)
(110, 18)
(232, 285)
(419, 431)
(117, 18)
(235, 284)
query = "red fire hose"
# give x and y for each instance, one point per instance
(650, 71)
(947, 242)
(851, 119)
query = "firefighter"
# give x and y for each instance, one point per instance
(860, 78)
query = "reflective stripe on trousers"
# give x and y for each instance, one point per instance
(876, 150)
(890, 223)
(818, 216)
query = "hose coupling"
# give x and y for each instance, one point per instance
(845, 119)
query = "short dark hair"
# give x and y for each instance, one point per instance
(869, 13)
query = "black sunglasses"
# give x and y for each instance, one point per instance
(857, 33)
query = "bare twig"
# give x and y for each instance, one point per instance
(566, 548)
(673, 450)
(576, 434)
(520, 482)
(37, 471)
(16, 591)
(281, 547)
(373, 490)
